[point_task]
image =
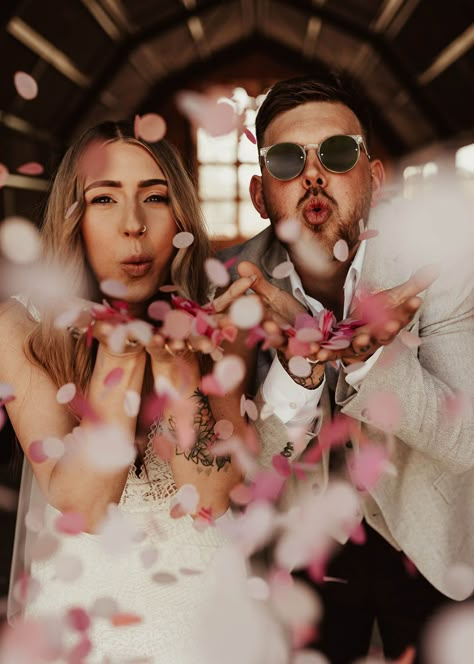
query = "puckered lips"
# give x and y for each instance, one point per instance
(316, 210)
(136, 265)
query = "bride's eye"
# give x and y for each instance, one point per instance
(157, 198)
(102, 200)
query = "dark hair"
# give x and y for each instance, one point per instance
(325, 85)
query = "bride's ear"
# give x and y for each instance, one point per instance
(256, 194)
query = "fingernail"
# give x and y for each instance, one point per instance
(252, 278)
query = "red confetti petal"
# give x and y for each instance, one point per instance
(79, 619)
(250, 136)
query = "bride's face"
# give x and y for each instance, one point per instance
(128, 224)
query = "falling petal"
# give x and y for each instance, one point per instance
(30, 168)
(459, 580)
(168, 288)
(281, 465)
(53, 448)
(113, 378)
(164, 578)
(288, 230)
(19, 240)
(283, 270)
(71, 209)
(113, 288)
(70, 523)
(125, 619)
(68, 567)
(246, 312)
(151, 127)
(265, 411)
(185, 501)
(216, 272)
(66, 393)
(241, 494)
(368, 466)
(149, 556)
(104, 607)
(131, 403)
(384, 410)
(223, 429)
(299, 366)
(177, 325)
(368, 234)
(44, 546)
(341, 251)
(229, 372)
(159, 309)
(250, 409)
(4, 173)
(26, 589)
(409, 339)
(36, 452)
(78, 619)
(183, 239)
(250, 136)
(25, 85)
(6, 391)
(458, 405)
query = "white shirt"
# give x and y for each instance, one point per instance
(294, 404)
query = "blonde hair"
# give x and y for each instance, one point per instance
(67, 359)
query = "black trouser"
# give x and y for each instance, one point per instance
(378, 588)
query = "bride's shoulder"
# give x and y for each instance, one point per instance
(16, 322)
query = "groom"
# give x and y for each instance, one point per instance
(313, 135)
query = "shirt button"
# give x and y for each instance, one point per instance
(365, 413)
(292, 405)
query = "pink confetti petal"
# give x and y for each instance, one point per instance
(151, 127)
(70, 523)
(341, 251)
(358, 534)
(104, 607)
(299, 366)
(368, 234)
(223, 429)
(177, 325)
(25, 85)
(384, 410)
(229, 372)
(368, 466)
(113, 288)
(6, 391)
(71, 209)
(409, 339)
(26, 589)
(44, 546)
(78, 619)
(19, 240)
(30, 168)
(168, 288)
(4, 173)
(68, 568)
(246, 312)
(149, 556)
(241, 494)
(208, 112)
(113, 378)
(53, 448)
(216, 272)
(281, 465)
(186, 500)
(131, 403)
(250, 409)
(36, 452)
(183, 239)
(459, 405)
(125, 619)
(159, 309)
(210, 385)
(283, 270)
(66, 393)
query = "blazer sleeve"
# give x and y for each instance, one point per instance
(425, 379)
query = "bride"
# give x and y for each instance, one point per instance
(100, 551)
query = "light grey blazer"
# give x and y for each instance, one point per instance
(427, 508)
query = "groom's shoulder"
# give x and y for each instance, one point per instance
(251, 250)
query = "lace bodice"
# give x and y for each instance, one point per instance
(153, 483)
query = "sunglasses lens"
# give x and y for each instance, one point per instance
(339, 153)
(285, 161)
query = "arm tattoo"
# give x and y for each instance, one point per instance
(308, 382)
(201, 452)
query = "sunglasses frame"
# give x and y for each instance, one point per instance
(358, 140)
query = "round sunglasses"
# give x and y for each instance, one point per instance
(338, 154)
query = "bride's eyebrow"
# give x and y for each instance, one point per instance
(151, 183)
(103, 183)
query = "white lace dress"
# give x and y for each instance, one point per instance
(160, 572)
(151, 570)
